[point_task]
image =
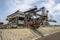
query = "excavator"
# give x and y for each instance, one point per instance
(35, 20)
(41, 20)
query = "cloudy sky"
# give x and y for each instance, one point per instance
(8, 7)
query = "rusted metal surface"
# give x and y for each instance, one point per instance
(30, 18)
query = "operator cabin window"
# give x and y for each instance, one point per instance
(21, 20)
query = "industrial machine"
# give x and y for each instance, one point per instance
(30, 17)
(36, 20)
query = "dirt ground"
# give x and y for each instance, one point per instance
(55, 36)
(26, 33)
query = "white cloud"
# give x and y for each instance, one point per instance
(27, 4)
(24, 5)
(49, 4)
(29, 1)
(57, 7)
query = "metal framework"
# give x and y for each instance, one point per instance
(36, 22)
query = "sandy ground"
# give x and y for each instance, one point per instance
(55, 36)
(25, 33)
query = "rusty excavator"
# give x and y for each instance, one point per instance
(40, 19)
(32, 19)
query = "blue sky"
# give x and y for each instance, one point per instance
(8, 7)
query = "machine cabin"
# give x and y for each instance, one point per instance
(16, 18)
